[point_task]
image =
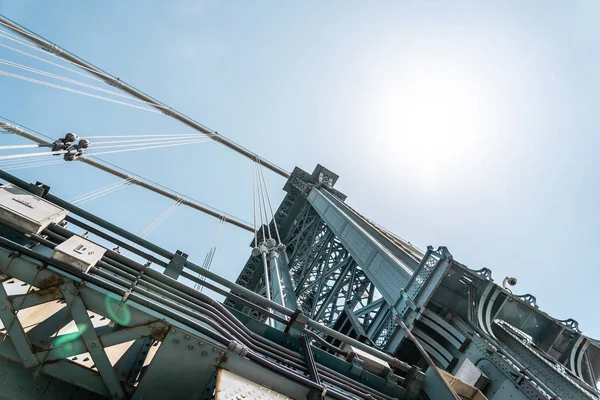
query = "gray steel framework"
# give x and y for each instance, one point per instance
(135, 331)
(352, 275)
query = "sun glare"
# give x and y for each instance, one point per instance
(431, 124)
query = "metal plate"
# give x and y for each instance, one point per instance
(233, 387)
(21, 208)
(78, 252)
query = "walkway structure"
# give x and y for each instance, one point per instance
(329, 305)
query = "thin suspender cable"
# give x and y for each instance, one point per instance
(150, 228)
(26, 155)
(64, 79)
(47, 52)
(17, 40)
(92, 192)
(141, 136)
(72, 81)
(124, 173)
(19, 162)
(142, 148)
(154, 224)
(40, 154)
(262, 223)
(34, 70)
(97, 196)
(24, 78)
(59, 52)
(6, 33)
(101, 192)
(33, 165)
(269, 201)
(264, 253)
(112, 146)
(147, 140)
(211, 253)
(254, 208)
(264, 205)
(49, 62)
(19, 146)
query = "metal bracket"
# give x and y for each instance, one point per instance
(297, 323)
(176, 264)
(39, 189)
(237, 348)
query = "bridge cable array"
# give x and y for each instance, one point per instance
(19, 36)
(154, 224)
(208, 259)
(268, 249)
(103, 191)
(34, 41)
(68, 147)
(47, 74)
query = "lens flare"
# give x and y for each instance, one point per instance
(117, 311)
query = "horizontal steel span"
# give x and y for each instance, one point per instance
(116, 82)
(134, 180)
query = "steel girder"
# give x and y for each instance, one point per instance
(147, 341)
(124, 330)
(330, 245)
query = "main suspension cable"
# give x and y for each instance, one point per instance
(124, 173)
(65, 55)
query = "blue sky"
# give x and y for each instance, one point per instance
(458, 123)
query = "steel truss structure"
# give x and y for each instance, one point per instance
(358, 313)
(120, 329)
(352, 275)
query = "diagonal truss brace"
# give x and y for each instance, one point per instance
(91, 340)
(15, 331)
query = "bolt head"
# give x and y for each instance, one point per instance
(175, 341)
(204, 354)
(94, 344)
(190, 347)
(152, 326)
(187, 337)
